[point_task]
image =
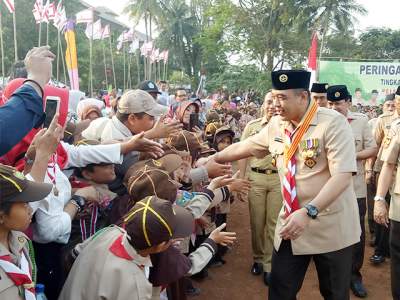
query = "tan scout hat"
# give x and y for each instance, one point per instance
(138, 101)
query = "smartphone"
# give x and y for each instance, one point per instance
(52, 108)
(193, 121)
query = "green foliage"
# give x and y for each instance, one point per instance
(240, 78)
(202, 35)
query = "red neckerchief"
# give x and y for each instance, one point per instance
(117, 248)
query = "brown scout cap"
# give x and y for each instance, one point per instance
(138, 101)
(222, 132)
(14, 187)
(152, 177)
(186, 141)
(153, 221)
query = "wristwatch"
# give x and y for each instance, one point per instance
(78, 201)
(312, 211)
(379, 198)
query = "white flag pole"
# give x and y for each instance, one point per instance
(15, 37)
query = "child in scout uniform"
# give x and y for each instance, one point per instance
(338, 99)
(265, 199)
(223, 137)
(316, 159)
(17, 265)
(149, 228)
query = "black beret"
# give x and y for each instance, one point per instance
(290, 79)
(149, 86)
(390, 97)
(398, 91)
(374, 92)
(319, 87)
(337, 93)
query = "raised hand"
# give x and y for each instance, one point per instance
(139, 143)
(38, 62)
(222, 237)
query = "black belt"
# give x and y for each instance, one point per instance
(264, 171)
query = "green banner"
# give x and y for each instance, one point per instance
(367, 76)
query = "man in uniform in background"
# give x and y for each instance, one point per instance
(315, 155)
(338, 97)
(373, 166)
(390, 157)
(318, 94)
(265, 199)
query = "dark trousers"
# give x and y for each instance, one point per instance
(359, 248)
(288, 271)
(395, 258)
(48, 259)
(371, 192)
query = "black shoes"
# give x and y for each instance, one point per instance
(377, 259)
(257, 269)
(193, 291)
(267, 278)
(358, 289)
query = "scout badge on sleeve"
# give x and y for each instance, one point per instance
(387, 140)
(309, 152)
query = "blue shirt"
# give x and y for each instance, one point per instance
(22, 112)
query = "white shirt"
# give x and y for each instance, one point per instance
(52, 223)
(107, 130)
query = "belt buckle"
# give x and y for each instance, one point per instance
(268, 172)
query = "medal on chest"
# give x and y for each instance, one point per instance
(309, 152)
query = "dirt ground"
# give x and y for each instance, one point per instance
(233, 281)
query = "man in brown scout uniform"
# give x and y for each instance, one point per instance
(390, 157)
(339, 100)
(315, 155)
(265, 199)
(318, 94)
(373, 166)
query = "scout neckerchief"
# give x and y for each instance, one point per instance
(20, 276)
(291, 202)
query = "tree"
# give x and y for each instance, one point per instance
(330, 15)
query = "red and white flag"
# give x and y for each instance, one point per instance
(38, 11)
(10, 5)
(164, 56)
(51, 11)
(60, 20)
(45, 12)
(106, 32)
(134, 46)
(149, 46)
(312, 58)
(94, 30)
(85, 16)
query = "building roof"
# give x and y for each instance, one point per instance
(109, 15)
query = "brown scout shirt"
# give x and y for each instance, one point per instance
(363, 140)
(390, 154)
(99, 273)
(251, 129)
(382, 128)
(18, 242)
(337, 226)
